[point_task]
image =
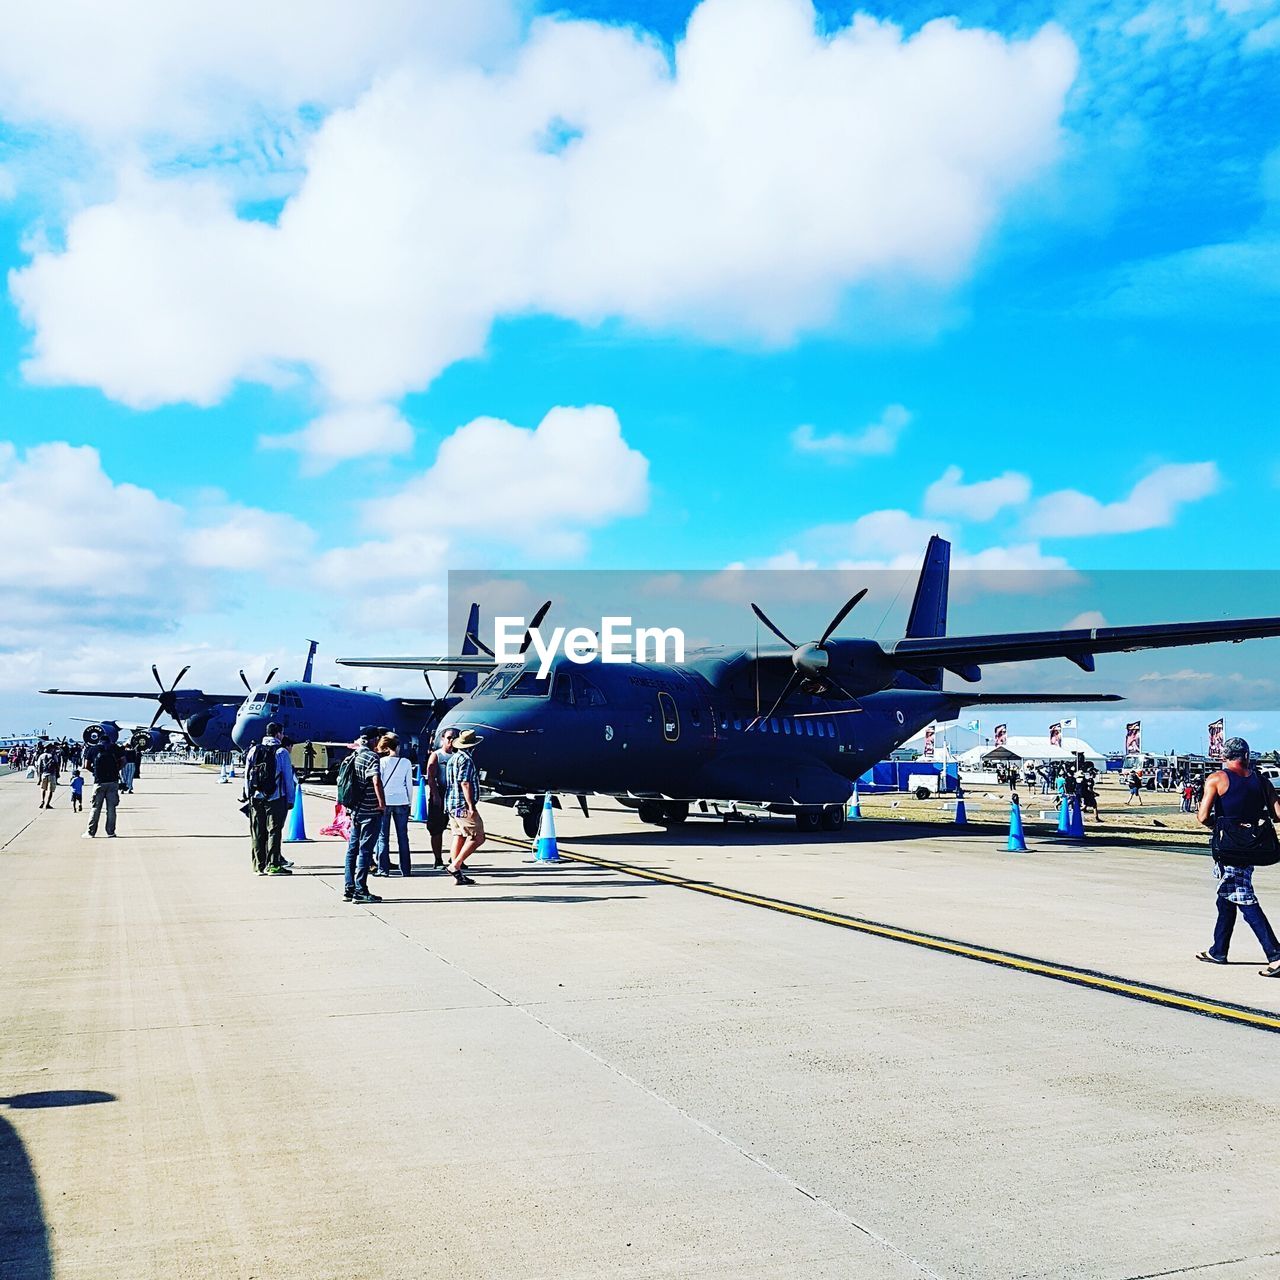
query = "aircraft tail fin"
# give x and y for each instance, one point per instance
(466, 681)
(313, 645)
(929, 608)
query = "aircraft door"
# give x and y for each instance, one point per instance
(669, 716)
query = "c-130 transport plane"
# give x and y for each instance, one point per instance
(790, 726)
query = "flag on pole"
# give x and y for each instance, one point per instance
(1215, 740)
(1070, 722)
(972, 725)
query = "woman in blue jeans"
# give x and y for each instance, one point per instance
(397, 775)
(1239, 792)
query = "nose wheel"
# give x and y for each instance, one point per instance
(530, 817)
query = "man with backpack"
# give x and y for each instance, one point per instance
(360, 794)
(270, 788)
(104, 760)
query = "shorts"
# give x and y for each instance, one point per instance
(469, 828)
(437, 818)
(48, 784)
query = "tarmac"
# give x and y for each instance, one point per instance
(582, 1071)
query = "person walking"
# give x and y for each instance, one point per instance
(396, 774)
(269, 789)
(1135, 788)
(77, 791)
(48, 766)
(104, 761)
(437, 814)
(461, 800)
(129, 768)
(360, 793)
(1239, 804)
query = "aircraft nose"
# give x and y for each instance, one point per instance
(248, 730)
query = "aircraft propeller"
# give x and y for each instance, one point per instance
(809, 660)
(534, 623)
(168, 703)
(244, 679)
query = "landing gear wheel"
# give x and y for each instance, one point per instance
(650, 811)
(809, 820)
(530, 820)
(674, 814)
(833, 817)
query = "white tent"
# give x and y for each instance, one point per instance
(1025, 747)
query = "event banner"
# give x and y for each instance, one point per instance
(1055, 735)
(928, 742)
(1215, 740)
(1002, 733)
(1133, 738)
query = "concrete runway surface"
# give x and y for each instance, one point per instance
(574, 1071)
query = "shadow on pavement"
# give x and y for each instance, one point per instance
(24, 1235)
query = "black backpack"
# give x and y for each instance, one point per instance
(263, 772)
(351, 786)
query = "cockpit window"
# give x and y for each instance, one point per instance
(586, 694)
(496, 682)
(562, 690)
(529, 685)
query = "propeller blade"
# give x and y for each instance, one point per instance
(792, 679)
(479, 644)
(271, 675)
(158, 714)
(841, 616)
(844, 693)
(156, 673)
(431, 689)
(244, 680)
(534, 624)
(178, 681)
(760, 613)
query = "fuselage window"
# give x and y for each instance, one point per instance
(737, 724)
(808, 728)
(786, 727)
(773, 726)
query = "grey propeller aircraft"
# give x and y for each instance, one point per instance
(331, 716)
(788, 726)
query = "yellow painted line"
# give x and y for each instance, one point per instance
(1262, 1019)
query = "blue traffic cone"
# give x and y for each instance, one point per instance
(420, 798)
(223, 775)
(1064, 817)
(1017, 839)
(962, 818)
(1075, 823)
(544, 848)
(853, 810)
(295, 831)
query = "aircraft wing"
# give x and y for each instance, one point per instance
(962, 653)
(477, 662)
(100, 693)
(1028, 699)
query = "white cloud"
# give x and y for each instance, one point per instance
(538, 489)
(246, 539)
(894, 535)
(1089, 619)
(344, 434)
(982, 500)
(1152, 503)
(879, 438)
(202, 67)
(1264, 38)
(739, 196)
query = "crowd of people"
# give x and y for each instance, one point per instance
(374, 791)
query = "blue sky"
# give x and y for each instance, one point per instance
(804, 265)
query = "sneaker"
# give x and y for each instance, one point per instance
(284, 862)
(88, 835)
(347, 894)
(111, 835)
(365, 897)
(279, 871)
(459, 878)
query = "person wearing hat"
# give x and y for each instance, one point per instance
(366, 817)
(461, 798)
(1239, 793)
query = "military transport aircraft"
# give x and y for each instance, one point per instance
(789, 726)
(331, 716)
(206, 719)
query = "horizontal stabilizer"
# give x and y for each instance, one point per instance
(455, 662)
